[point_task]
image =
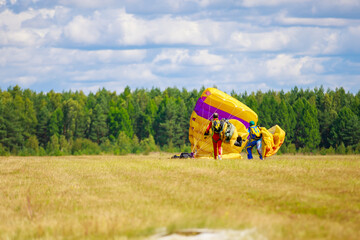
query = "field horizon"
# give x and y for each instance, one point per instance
(133, 196)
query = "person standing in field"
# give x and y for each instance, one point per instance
(216, 127)
(255, 138)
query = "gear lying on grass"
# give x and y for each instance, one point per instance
(184, 155)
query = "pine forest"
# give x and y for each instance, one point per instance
(316, 121)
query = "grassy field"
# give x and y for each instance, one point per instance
(132, 197)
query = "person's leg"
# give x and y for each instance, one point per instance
(249, 155)
(258, 148)
(249, 149)
(215, 149)
(219, 143)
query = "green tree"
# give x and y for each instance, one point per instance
(252, 103)
(119, 120)
(54, 100)
(124, 144)
(53, 147)
(148, 145)
(71, 109)
(3, 127)
(284, 119)
(64, 145)
(32, 144)
(98, 126)
(144, 124)
(56, 122)
(267, 110)
(169, 127)
(151, 110)
(327, 115)
(181, 130)
(42, 130)
(12, 121)
(345, 128)
(307, 128)
(29, 118)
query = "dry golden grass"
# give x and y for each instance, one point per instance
(122, 197)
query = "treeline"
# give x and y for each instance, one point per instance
(141, 121)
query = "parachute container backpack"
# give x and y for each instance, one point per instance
(216, 126)
(235, 112)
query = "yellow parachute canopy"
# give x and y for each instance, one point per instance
(272, 139)
(213, 100)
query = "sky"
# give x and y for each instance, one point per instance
(236, 45)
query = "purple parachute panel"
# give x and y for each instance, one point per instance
(206, 111)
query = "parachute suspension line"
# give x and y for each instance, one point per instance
(231, 115)
(204, 125)
(202, 129)
(212, 101)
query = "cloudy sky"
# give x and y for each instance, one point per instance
(234, 44)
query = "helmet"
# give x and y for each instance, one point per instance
(252, 123)
(215, 115)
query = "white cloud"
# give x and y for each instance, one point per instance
(163, 30)
(175, 6)
(184, 57)
(56, 56)
(172, 56)
(69, 65)
(24, 29)
(22, 37)
(337, 81)
(89, 3)
(125, 74)
(254, 3)
(285, 66)
(188, 43)
(180, 61)
(13, 21)
(310, 41)
(116, 27)
(130, 30)
(203, 57)
(24, 81)
(178, 31)
(339, 3)
(269, 41)
(282, 18)
(83, 30)
(320, 3)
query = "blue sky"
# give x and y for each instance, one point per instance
(243, 45)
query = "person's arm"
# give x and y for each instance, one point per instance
(208, 128)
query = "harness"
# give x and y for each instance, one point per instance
(216, 126)
(255, 132)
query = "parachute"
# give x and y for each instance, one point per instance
(235, 117)
(238, 115)
(272, 139)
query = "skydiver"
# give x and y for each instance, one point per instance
(255, 138)
(216, 127)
